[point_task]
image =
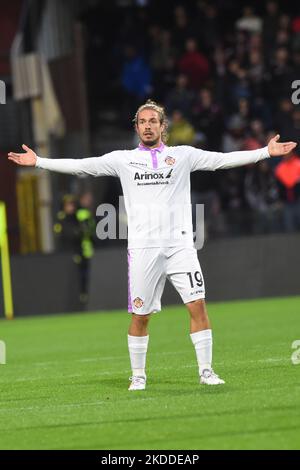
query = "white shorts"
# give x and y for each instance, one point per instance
(148, 269)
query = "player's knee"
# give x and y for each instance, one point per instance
(140, 319)
(196, 305)
(197, 308)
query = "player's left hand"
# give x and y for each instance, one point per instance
(279, 149)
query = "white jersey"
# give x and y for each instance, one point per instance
(156, 186)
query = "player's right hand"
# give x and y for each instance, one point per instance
(26, 159)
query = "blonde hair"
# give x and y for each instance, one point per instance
(150, 104)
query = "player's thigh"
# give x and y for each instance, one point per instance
(146, 280)
(185, 274)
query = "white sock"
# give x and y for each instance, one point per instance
(202, 340)
(138, 346)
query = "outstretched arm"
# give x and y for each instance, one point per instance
(29, 158)
(280, 149)
(204, 160)
(95, 166)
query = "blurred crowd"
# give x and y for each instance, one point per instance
(225, 78)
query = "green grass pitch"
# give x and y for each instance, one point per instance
(65, 382)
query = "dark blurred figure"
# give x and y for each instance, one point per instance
(263, 198)
(180, 97)
(181, 28)
(271, 22)
(281, 75)
(207, 118)
(87, 228)
(283, 117)
(136, 81)
(233, 138)
(209, 34)
(256, 72)
(66, 227)
(75, 233)
(236, 85)
(256, 137)
(288, 174)
(294, 133)
(296, 61)
(194, 65)
(162, 61)
(232, 197)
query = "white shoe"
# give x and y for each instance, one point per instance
(208, 377)
(137, 383)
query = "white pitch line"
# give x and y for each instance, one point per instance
(126, 371)
(125, 358)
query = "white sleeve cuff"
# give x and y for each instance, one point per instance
(38, 163)
(265, 152)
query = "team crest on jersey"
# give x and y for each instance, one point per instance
(170, 161)
(138, 302)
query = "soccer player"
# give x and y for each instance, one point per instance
(156, 183)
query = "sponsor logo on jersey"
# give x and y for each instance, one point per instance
(138, 302)
(195, 292)
(152, 176)
(138, 164)
(170, 160)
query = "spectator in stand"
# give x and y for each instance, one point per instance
(167, 79)
(241, 47)
(207, 117)
(219, 74)
(181, 131)
(236, 85)
(294, 132)
(256, 72)
(284, 22)
(194, 65)
(257, 132)
(283, 39)
(270, 23)
(296, 63)
(136, 80)
(281, 74)
(255, 43)
(244, 111)
(181, 30)
(263, 198)
(296, 33)
(232, 197)
(136, 76)
(249, 21)
(162, 61)
(288, 175)
(180, 98)
(161, 47)
(283, 117)
(233, 139)
(209, 18)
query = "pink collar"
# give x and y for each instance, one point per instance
(157, 149)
